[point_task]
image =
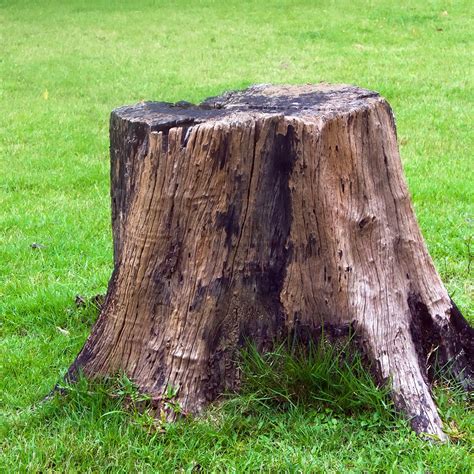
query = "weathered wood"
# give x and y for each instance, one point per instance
(264, 213)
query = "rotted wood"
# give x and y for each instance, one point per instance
(271, 211)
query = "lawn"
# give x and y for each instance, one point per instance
(63, 67)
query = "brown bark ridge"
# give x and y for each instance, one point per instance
(271, 211)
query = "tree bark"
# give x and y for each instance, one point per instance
(260, 214)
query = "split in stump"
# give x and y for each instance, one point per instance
(272, 211)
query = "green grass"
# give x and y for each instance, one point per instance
(273, 426)
(322, 375)
(63, 67)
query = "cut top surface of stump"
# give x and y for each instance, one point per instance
(319, 101)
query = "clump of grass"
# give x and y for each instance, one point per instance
(321, 375)
(455, 405)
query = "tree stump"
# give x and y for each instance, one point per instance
(260, 214)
